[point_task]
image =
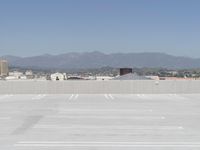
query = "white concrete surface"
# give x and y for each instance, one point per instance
(100, 122)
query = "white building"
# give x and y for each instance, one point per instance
(104, 78)
(153, 77)
(11, 78)
(28, 73)
(58, 76)
(15, 75)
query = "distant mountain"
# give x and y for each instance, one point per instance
(10, 58)
(88, 60)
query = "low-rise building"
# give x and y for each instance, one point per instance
(29, 74)
(58, 76)
(131, 76)
(100, 78)
(153, 77)
(176, 78)
(15, 74)
(75, 77)
(11, 78)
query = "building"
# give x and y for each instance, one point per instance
(74, 77)
(29, 74)
(101, 78)
(176, 78)
(3, 68)
(153, 77)
(124, 71)
(15, 74)
(58, 76)
(131, 76)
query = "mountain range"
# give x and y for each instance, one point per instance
(86, 60)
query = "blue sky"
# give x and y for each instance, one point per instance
(33, 27)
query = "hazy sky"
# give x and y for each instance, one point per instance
(32, 27)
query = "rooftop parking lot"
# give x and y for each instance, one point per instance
(100, 122)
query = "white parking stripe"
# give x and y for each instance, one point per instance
(71, 97)
(105, 110)
(105, 144)
(109, 127)
(106, 96)
(102, 145)
(38, 97)
(76, 96)
(141, 95)
(111, 96)
(106, 117)
(6, 96)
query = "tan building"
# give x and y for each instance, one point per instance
(3, 68)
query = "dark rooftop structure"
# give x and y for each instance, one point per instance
(124, 71)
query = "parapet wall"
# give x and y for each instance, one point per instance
(99, 87)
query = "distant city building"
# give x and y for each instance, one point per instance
(15, 75)
(90, 78)
(58, 76)
(124, 71)
(173, 72)
(29, 74)
(75, 78)
(153, 77)
(104, 78)
(11, 78)
(48, 77)
(23, 77)
(131, 76)
(176, 78)
(3, 68)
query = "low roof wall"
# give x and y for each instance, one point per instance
(99, 87)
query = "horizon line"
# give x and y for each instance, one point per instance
(109, 53)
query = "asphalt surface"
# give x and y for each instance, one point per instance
(100, 122)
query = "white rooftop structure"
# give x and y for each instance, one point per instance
(103, 78)
(28, 73)
(131, 76)
(58, 76)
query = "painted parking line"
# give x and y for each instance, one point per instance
(106, 96)
(178, 96)
(5, 96)
(38, 97)
(106, 117)
(105, 110)
(172, 94)
(121, 127)
(74, 97)
(141, 95)
(71, 97)
(109, 97)
(104, 144)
